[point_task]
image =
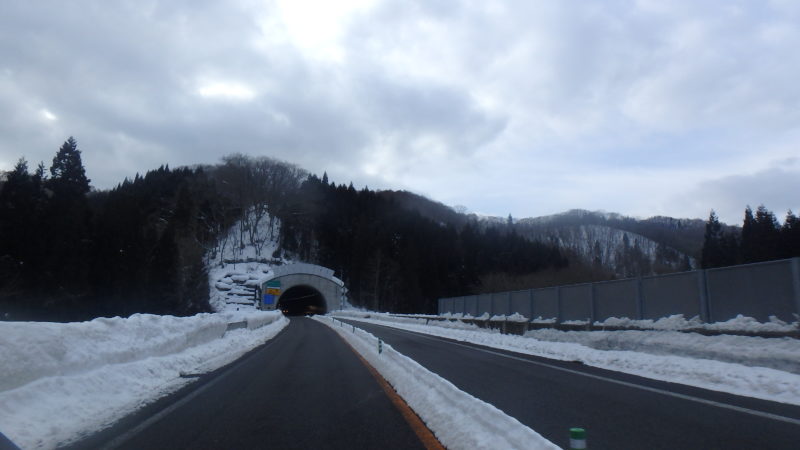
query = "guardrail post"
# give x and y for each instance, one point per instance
(639, 299)
(530, 299)
(796, 283)
(702, 286)
(559, 308)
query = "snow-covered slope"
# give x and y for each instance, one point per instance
(626, 246)
(241, 260)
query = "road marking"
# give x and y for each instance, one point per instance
(422, 431)
(740, 409)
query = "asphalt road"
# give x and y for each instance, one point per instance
(304, 389)
(618, 411)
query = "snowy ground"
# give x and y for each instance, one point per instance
(751, 366)
(459, 420)
(60, 382)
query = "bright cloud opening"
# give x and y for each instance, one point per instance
(227, 91)
(47, 115)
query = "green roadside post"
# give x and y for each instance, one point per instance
(380, 346)
(577, 439)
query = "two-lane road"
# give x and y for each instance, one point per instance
(304, 389)
(619, 411)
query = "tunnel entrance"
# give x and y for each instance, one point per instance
(302, 300)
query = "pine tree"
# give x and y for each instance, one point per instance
(748, 243)
(68, 233)
(711, 255)
(68, 174)
(790, 236)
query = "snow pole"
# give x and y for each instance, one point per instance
(380, 346)
(577, 439)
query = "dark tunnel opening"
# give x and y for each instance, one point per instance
(302, 300)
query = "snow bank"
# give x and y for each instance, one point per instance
(776, 353)
(459, 420)
(79, 378)
(730, 364)
(32, 350)
(677, 322)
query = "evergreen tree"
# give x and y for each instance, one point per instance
(760, 236)
(790, 236)
(711, 255)
(749, 240)
(66, 269)
(67, 172)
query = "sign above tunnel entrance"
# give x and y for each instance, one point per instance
(274, 287)
(273, 290)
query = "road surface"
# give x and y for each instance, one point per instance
(619, 411)
(304, 389)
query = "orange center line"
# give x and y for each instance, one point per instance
(420, 429)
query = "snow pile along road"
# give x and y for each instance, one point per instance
(60, 382)
(459, 420)
(721, 363)
(41, 349)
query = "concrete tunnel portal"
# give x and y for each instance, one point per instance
(299, 289)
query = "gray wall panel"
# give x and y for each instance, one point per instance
(459, 307)
(521, 303)
(484, 304)
(576, 302)
(500, 304)
(616, 299)
(667, 295)
(753, 290)
(472, 305)
(545, 303)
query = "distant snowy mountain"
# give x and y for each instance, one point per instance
(624, 245)
(627, 246)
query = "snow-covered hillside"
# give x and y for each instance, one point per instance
(625, 253)
(243, 257)
(626, 246)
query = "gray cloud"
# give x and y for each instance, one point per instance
(487, 104)
(776, 188)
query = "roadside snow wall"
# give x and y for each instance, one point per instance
(43, 349)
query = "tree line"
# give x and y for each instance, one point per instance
(68, 252)
(760, 238)
(393, 258)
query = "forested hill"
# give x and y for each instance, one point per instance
(599, 245)
(394, 258)
(68, 252)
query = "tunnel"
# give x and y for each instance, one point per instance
(302, 300)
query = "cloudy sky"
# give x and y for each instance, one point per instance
(523, 107)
